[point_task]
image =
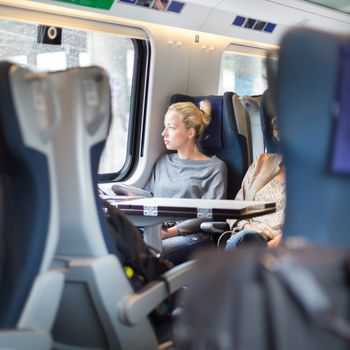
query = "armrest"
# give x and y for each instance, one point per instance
(215, 226)
(24, 339)
(137, 306)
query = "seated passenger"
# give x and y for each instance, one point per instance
(264, 181)
(187, 173)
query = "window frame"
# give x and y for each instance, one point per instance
(138, 95)
(138, 100)
(241, 49)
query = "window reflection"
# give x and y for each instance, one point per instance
(243, 73)
(19, 43)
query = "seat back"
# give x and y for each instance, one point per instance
(271, 145)
(244, 124)
(83, 97)
(29, 210)
(222, 138)
(308, 91)
(252, 106)
(90, 311)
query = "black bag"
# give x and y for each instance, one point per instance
(142, 263)
(284, 299)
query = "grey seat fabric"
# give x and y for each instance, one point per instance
(29, 289)
(318, 199)
(252, 107)
(99, 308)
(244, 125)
(261, 113)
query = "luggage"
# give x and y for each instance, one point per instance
(284, 299)
(142, 263)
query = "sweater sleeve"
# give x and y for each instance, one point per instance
(217, 183)
(150, 183)
(149, 186)
(190, 226)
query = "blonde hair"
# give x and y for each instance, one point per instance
(194, 117)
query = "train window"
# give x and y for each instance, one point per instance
(243, 71)
(30, 44)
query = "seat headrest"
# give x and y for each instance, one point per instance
(340, 161)
(212, 137)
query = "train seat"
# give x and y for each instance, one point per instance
(30, 289)
(261, 113)
(318, 191)
(99, 308)
(315, 145)
(258, 110)
(243, 122)
(271, 145)
(251, 105)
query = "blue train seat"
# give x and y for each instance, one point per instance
(30, 289)
(311, 94)
(99, 308)
(271, 145)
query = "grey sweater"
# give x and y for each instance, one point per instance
(173, 177)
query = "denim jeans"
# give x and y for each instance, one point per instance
(245, 238)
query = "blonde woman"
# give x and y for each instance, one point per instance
(187, 172)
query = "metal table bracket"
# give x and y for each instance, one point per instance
(149, 210)
(204, 213)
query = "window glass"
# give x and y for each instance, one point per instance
(19, 43)
(243, 72)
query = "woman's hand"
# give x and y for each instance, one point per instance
(275, 242)
(170, 232)
(265, 233)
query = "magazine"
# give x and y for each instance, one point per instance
(122, 189)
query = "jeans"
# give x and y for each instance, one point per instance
(245, 238)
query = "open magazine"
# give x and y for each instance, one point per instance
(106, 193)
(122, 189)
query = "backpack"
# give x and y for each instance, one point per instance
(142, 263)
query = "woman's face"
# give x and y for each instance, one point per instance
(175, 134)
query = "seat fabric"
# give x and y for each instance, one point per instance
(308, 89)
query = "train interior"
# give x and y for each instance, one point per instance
(84, 88)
